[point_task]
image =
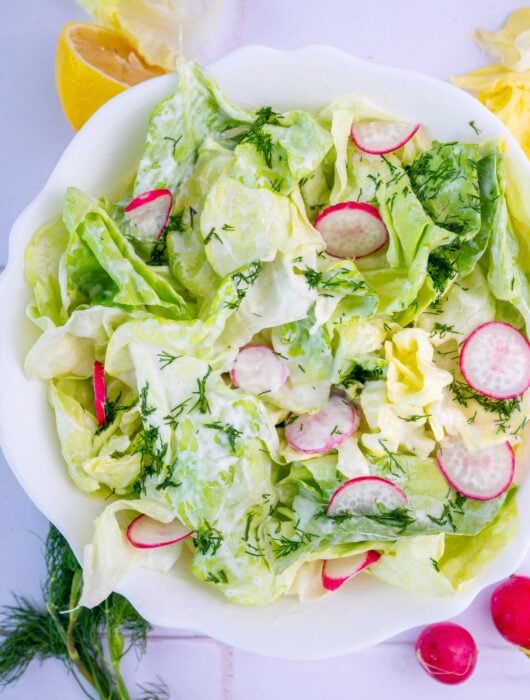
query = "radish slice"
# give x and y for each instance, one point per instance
(335, 572)
(495, 361)
(100, 392)
(351, 229)
(150, 212)
(257, 369)
(380, 137)
(363, 496)
(482, 474)
(147, 533)
(320, 432)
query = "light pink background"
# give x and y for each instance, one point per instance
(425, 35)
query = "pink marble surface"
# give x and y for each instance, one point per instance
(428, 36)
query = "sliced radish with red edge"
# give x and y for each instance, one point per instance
(150, 211)
(482, 474)
(320, 432)
(147, 533)
(495, 361)
(351, 229)
(378, 137)
(258, 369)
(335, 572)
(364, 495)
(100, 392)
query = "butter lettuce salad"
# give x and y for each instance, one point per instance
(294, 349)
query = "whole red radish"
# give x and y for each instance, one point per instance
(510, 609)
(447, 652)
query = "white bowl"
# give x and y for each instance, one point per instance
(99, 159)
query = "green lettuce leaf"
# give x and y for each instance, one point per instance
(42, 259)
(178, 126)
(464, 557)
(110, 555)
(102, 266)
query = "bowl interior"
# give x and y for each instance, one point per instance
(100, 159)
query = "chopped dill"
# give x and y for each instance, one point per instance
(166, 359)
(232, 433)
(243, 280)
(260, 139)
(435, 564)
(361, 374)
(176, 223)
(442, 329)
(504, 408)
(213, 234)
(207, 539)
(287, 545)
(219, 577)
(391, 462)
(145, 409)
(172, 418)
(414, 418)
(453, 507)
(202, 400)
(324, 281)
(440, 269)
(399, 518)
(474, 127)
(112, 408)
(174, 141)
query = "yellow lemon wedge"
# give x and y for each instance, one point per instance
(161, 30)
(93, 64)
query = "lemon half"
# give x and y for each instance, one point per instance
(93, 64)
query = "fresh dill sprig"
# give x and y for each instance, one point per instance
(154, 691)
(474, 127)
(90, 642)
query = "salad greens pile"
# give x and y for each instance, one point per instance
(240, 262)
